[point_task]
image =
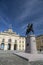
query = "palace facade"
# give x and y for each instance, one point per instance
(39, 42)
(9, 40)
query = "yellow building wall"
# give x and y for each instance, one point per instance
(39, 42)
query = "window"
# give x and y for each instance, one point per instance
(19, 45)
(2, 46)
(22, 41)
(19, 41)
(42, 40)
(15, 41)
(19, 37)
(22, 45)
(3, 40)
(15, 46)
(19, 48)
(9, 46)
(9, 40)
(22, 48)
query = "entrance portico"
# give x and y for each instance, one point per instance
(9, 40)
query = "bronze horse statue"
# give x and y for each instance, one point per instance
(29, 29)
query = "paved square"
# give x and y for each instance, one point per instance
(10, 59)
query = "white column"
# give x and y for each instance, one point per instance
(18, 45)
(0, 42)
(12, 46)
(6, 46)
(24, 45)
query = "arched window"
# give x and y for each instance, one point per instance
(15, 41)
(3, 40)
(15, 46)
(2, 46)
(9, 46)
(9, 41)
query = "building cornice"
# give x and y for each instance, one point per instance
(11, 34)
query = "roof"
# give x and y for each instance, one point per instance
(39, 36)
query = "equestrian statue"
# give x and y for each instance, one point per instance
(29, 29)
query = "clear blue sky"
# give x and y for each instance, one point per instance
(21, 12)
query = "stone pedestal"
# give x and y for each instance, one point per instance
(31, 44)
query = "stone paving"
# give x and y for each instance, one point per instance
(7, 58)
(29, 56)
